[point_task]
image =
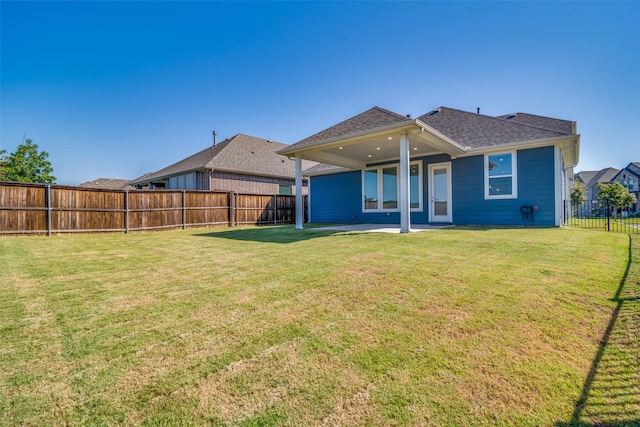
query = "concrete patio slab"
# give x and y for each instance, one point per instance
(381, 228)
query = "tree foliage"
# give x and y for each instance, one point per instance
(26, 164)
(578, 194)
(615, 195)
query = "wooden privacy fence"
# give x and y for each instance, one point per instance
(47, 209)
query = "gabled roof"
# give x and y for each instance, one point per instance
(634, 167)
(242, 154)
(447, 130)
(478, 130)
(591, 178)
(630, 169)
(108, 184)
(369, 120)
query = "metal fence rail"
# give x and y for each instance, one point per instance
(599, 215)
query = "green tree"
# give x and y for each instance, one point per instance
(616, 195)
(578, 194)
(26, 164)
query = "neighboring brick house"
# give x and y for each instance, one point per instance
(242, 163)
(591, 179)
(629, 177)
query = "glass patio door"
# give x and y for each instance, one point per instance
(440, 192)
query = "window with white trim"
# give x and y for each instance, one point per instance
(381, 188)
(500, 174)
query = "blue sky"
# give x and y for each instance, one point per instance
(118, 89)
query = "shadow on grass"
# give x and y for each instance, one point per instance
(611, 393)
(270, 234)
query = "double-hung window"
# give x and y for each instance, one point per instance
(500, 176)
(381, 188)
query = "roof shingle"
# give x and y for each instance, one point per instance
(369, 120)
(108, 184)
(479, 130)
(559, 125)
(240, 154)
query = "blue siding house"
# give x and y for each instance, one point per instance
(445, 167)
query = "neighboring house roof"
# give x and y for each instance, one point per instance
(242, 154)
(634, 167)
(591, 178)
(108, 184)
(630, 169)
(478, 130)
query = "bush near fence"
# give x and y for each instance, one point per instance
(52, 209)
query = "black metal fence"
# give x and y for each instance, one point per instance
(599, 215)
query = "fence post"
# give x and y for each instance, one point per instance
(230, 208)
(126, 211)
(275, 209)
(184, 209)
(48, 196)
(606, 203)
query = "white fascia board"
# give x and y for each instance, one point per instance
(352, 138)
(332, 159)
(521, 145)
(328, 171)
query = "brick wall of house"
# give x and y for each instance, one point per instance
(222, 181)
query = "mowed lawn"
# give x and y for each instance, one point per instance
(273, 326)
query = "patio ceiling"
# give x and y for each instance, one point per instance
(357, 150)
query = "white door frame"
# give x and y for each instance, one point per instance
(432, 216)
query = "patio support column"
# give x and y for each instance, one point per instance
(405, 194)
(299, 197)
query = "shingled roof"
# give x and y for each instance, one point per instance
(242, 154)
(369, 120)
(462, 129)
(108, 184)
(564, 126)
(591, 178)
(469, 130)
(479, 130)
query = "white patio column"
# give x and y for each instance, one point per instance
(299, 197)
(405, 192)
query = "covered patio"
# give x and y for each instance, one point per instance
(374, 137)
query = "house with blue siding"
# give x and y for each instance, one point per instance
(446, 167)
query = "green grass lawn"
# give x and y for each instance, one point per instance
(273, 326)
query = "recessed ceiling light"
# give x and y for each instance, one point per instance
(378, 148)
(340, 148)
(369, 155)
(415, 148)
(390, 137)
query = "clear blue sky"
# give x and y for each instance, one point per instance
(118, 89)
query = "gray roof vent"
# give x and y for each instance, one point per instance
(510, 116)
(434, 112)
